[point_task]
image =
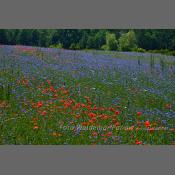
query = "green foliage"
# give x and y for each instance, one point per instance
(156, 39)
(111, 42)
(36, 37)
(3, 36)
(140, 40)
(139, 50)
(25, 37)
(58, 46)
(163, 51)
(128, 41)
(5, 92)
(104, 47)
(75, 46)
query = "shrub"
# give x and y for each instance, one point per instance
(59, 46)
(74, 46)
(104, 47)
(111, 42)
(127, 41)
(140, 50)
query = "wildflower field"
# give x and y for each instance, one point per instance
(56, 96)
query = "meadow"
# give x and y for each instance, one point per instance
(63, 97)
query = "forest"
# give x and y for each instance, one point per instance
(140, 40)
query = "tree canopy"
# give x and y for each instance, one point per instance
(108, 39)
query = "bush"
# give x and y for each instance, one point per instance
(58, 46)
(104, 47)
(111, 42)
(140, 50)
(127, 41)
(74, 46)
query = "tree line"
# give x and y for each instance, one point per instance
(101, 39)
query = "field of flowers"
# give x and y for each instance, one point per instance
(56, 96)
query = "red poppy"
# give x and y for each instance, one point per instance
(39, 104)
(139, 113)
(55, 96)
(91, 121)
(87, 98)
(89, 103)
(65, 92)
(101, 109)
(109, 134)
(151, 130)
(25, 82)
(44, 113)
(94, 134)
(105, 139)
(35, 127)
(168, 106)
(67, 104)
(77, 116)
(35, 119)
(147, 124)
(111, 109)
(114, 120)
(94, 119)
(52, 88)
(83, 105)
(104, 117)
(76, 106)
(117, 112)
(35, 123)
(84, 123)
(48, 81)
(91, 115)
(45, 91)
(95, 107)
(89, 107)
(117, 124)
(138, 142)
(139, 123)
(71, 122)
